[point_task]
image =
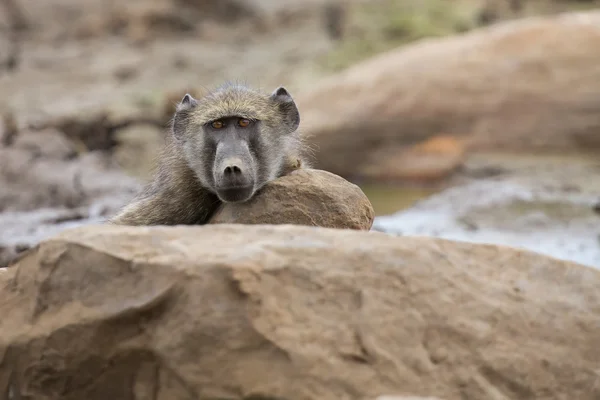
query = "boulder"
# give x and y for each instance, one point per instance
(406, 398)
(293, 312)
(305, 197)
(520, 85)
(430, 161)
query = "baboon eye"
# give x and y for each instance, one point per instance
(243, 122)
(217, 124)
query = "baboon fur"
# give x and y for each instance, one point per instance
(176, 194)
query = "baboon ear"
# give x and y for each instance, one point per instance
(287, 107)
(181, 115)
(188, 102)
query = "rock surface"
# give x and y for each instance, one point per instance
(292, 312)
(48, 186)
(305, 197)
(548, 208)
(518, 85)
(429, 161)
(44, 170)
(406, 398)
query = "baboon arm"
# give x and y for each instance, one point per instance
(168, 208)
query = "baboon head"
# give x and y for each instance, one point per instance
(235, 139)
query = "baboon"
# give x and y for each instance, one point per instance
(223, 147)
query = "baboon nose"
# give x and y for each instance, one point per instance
(232, 170)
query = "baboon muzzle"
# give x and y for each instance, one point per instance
(234, 173)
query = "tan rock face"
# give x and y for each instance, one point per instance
(289, 312)
(519, 85)
(428, 161)
(305, 197)
(406, 398)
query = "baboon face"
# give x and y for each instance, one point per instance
(235, 139)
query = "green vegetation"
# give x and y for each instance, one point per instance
(380, 25)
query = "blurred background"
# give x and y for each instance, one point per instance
(472, 120)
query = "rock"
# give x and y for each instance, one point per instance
(596, 207)
(430, 161)
(10, 253)
(406, 398)
(97, 130)
(509, 86)
(8, 129)
(157, 18)
(138, 148)
(47, 187)
(290, 312)
(31, 181)
(549, 210)
(46, 143)
(305, 197)
(224, 11)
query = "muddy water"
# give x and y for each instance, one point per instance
(388, 199)
(545, 204)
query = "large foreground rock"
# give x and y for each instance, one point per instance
(305, 197)
(240, 312)
(519, 85)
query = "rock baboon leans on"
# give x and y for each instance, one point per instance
(223, 147)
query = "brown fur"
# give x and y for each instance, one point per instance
(176, 196)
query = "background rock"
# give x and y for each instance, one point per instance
(518, 85)
(48, 185)
(294, 312)
(41, 172)
(305, 197)
(139, 147)
(430, 161)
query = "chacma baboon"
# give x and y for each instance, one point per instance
(223, 147)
